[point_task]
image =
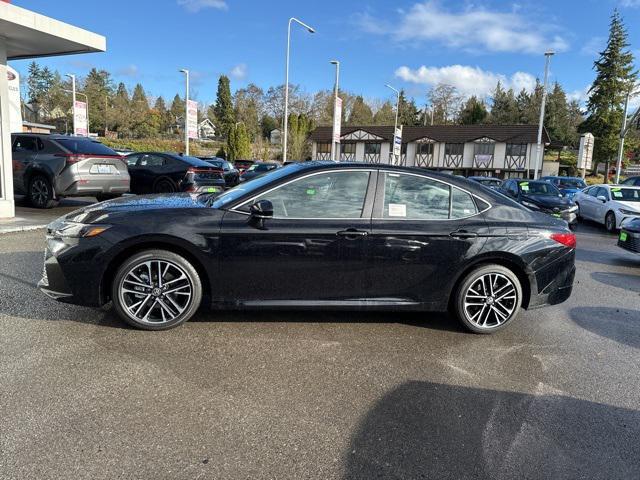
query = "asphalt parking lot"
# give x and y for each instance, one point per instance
(322, 395)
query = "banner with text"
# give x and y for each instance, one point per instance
(192, 119)
(80, 126)
(337, 120)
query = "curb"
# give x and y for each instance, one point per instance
(24, 228)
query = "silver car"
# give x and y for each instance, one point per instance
(47, 168)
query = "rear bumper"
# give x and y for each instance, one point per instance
(91, 185)
(554, 282)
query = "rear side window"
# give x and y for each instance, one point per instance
(25, 144)
(462, 204)
(132, 160)
(84, 146)
(151, 161)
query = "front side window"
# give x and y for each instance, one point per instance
(325, 195)
(415, 197)
(25, 144)
(151, 161)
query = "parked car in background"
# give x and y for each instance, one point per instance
(123, 151)
(242, 165)
(230, 173)
(609, 205)
(631, 182)
(541, 197)
(490, 182)
(258, 169)
(155, 172)
(629, 237)
(49, 167)
(355, 236)
(568, 186)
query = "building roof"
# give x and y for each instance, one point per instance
(444, 133)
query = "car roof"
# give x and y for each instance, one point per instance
(481, 177)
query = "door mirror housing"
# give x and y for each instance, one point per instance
(602, 198)
(262, 209)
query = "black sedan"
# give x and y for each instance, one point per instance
(629, 237)
(258, 169)
(154, 172)
(314, 235)
(541, 197)
(230, 173)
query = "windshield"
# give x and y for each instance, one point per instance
(260, 167)
(625, 194)
(216, 163)
(571, 183)
(490, 182)
(538, 188)
(84, 146)
(251, 185)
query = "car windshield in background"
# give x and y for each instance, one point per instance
(538, 188)
(260, 167)
(84, 146)
(490, 183)
(625, 194)
(572, 183)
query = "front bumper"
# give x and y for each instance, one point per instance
(629, 240)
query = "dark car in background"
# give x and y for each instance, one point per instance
(230, 173)
(631, 182)
(491, 182)
(350, 236)
(542, 197)
(568, 186)
(242, 165)
(155, 172)
(629, 237)
(49, 167)
(258, 169)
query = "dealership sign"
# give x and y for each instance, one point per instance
(80, 125)
(337, 120)
(192, 118)
(585, 153)
(397, 142)
(15, 112)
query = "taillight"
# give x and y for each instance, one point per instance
(71, 158)
(566, 239)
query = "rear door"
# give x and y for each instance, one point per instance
(423, 230)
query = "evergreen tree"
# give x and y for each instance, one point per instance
(523, 104)
(535, 101)
(98, 87)
(361, 113)
(238, 143)
(385, 115)
(268, 124)
(165, 121)
(473, 112)
(504, 110)
(615, 75)
(223, 109)
(557, 116)
(408, 113)
(300, 127)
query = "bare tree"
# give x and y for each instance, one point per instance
(445, 102)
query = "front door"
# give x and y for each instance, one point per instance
(423, 230)
(312, 250)
(23, 152)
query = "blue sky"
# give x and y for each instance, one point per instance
(409, 43)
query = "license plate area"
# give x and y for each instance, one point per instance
(101, 169)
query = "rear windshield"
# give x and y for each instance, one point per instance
(490, 182)
(193, 161)
(85, 146)
(571, 183)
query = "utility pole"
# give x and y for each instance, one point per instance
(395, 125)
(548, 54)
(73, 109)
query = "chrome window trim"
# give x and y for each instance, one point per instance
(451, 185)
(252, 199)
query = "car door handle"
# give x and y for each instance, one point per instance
(463, 234)
(352, 233)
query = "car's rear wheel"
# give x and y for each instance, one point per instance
(488, 298)
(164, 185)
(40, 192)
(156, 290)
(610, 222)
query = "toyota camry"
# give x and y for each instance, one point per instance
(314, 235)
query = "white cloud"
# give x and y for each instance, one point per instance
(194, 6)
(472, 29)
(239, 72)
(580, 95)
(630, 3)
(468, 80)
(128, 71)
(593, 46)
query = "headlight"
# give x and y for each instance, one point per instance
(78, 230)
(628, 212)
(530, 205)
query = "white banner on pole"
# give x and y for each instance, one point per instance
(337, 120)
(585, 153)
(15, 112)
(81, 127)
(192, 119)
(397, 142)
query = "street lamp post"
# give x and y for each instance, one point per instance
(286, 85)
(548, 54)
(186, 112)
(335, 145)
(73, 108)
(395, 125)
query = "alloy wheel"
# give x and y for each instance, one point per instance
(155, 292)
(490, 300)
(39, 191)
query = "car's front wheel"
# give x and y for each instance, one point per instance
(156, 290)
(488, 298)
(610, 222)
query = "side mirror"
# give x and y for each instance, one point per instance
(602, 198)
(262, 209)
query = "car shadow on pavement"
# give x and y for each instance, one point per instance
(605, 258)
(434, 431)
(619, 324)
(619, 280)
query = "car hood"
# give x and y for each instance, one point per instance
(634, 206)
(129, 204)
(548, 201)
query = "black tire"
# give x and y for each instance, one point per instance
(164, 185)
(610, 222)
(493, 322)
(120, 297)
(101, 197)
(40, 192)
(578, 212)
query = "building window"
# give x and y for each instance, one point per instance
(372, 148)
(425, 149)
(348, 148)
(483, 153)
(453, 153)
(324, 147)
(516, 156)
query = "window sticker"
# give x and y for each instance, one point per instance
(616, 189)
(616, 193)
(397, 210)
(311, 191)
(524, 186)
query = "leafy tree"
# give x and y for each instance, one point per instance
(361, 113)
(504, 110)
(268, 124)
(98, 87)
(473, 112)
(248, 104)
(523, 104)
(223, 109)
(177, 110)
(238, 143)
(615, 75)
(385, 115)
